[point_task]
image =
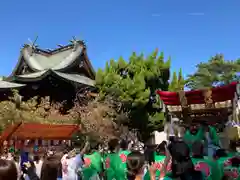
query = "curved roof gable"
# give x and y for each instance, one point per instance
(58, 59)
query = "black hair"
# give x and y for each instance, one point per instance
(94, 146)
(182, 165)
(112, 144)
(8, 170)
(36, 158)
(123, 144)
(135, 161)
(160, 149)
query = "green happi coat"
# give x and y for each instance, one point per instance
(191, 138)
(93, 165)
(226, 167)
(210, 168)
(114, 168)
(123, 155)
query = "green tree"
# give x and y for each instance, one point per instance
(177, 82)
(133, 83)
(216, 72)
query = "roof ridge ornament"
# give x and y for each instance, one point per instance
(32, 45)
(77, 42)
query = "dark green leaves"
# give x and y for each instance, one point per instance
(132, 82)
(217, 71)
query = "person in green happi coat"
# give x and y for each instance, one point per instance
(123, 153)
(192, 134)
(113, 163)
(93, 165)
(210, 168)
(229, 161)
(232, 171)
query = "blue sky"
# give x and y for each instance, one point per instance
(189, 31)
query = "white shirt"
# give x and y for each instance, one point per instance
(38, 167)
(64, 162)
(70, 167)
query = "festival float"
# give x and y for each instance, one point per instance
(217, 107)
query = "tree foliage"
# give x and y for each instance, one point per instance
(96, 118)
(217, 71)
(177, 83)
(36, 109)
(133, 83)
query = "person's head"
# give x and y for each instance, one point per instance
(36, 158)
(123, 144)
(193, 129)
(113, 145)
(161, 148)
(50, 167)
(180, 153)
(171, 138)
(16, 158)
(135, 164)
(66, 150)
(197, 149)
(8, 170)
(93, 147)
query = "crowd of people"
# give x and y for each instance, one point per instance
(177, 159)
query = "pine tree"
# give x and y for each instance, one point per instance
(177, 83)
(133, 83)
(215, 72)
(181, 81)
(174, 83)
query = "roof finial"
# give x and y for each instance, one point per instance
(33, 44)
(74, 40)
